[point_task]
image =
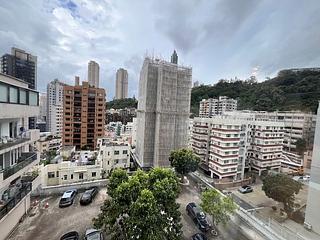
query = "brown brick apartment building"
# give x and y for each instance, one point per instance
(83, 115)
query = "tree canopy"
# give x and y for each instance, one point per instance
(184, 161)
(290, 90)
(281, 188)
(142, 206)
(218, 206)
(122, 103)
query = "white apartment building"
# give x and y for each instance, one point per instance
(297, 125)
(211, 107)
(163, 111)
(55, 107)
(228, 144)
(18, 156)
(113, 154)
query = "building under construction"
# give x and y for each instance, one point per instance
(163, 110)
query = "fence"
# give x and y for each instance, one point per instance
(52, 190)
(270, 229)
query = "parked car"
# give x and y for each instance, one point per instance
(70, 236)
(199, 236)
(246, 189)
(67, 198)
(88, 196)
(198, 216)
(93, 234)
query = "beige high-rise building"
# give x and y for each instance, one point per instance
(163, 111)
(122, 84)
(93, 74)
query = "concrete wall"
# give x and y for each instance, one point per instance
(312, 211)
(8, 223)
(59, 189)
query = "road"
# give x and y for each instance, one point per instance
(231, 231)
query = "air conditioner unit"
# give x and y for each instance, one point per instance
(307, 226)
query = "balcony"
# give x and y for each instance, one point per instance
(23, 161)
(30, 135)
(13, 196)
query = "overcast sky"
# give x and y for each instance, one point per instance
(219, 39)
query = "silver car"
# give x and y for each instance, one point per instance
(93, 234)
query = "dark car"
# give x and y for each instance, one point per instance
(88, 196)
(67, 198)
(245, 189)
(198, 216)
(93, 234)
(70, 236)
(199, 236)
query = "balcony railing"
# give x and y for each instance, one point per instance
(23, 161)
(6, 206)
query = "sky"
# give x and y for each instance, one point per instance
(219, 39)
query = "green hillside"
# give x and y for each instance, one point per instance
(122, 103)
(290, 90)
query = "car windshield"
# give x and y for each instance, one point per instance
(87, 194)
(93, 236)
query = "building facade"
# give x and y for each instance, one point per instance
(18, 155)
(297, 125)
(83, 115)
(113, 154)
(55, 107)
(312, 213)
(227, 145)
(210, 107)
(121, 84)
(163, 111)
(21, 65)
(120, 115)
(93, 74)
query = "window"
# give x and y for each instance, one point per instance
(125, 151)
(50, 174)
(116, 161)
(23, 96)
(3, 93)
(71, 176)
(80, 175)
(116, 152)
(13, 95)
(93, 174)
(57, 173)
(65, 177)
(33, 99)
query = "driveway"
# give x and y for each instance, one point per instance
(52, 222)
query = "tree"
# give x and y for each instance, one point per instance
(184, 161)
(142, 206)
(281, 188)
(301, 145)
(218, 206)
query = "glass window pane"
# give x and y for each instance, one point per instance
(13, 95)
(33, 98)
(3, 93)
(23, 96)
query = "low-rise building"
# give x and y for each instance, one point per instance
(48, 143)
(18, 155)
(68, 172)
(113, 154)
